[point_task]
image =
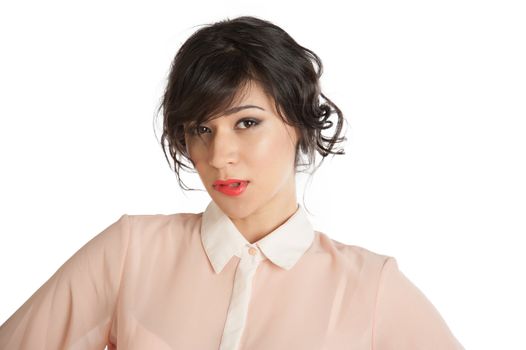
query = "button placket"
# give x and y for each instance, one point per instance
(240, 299)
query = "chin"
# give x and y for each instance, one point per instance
(234, 209)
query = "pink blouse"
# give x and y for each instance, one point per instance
(192, 281)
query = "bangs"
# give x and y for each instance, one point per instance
(212, 84)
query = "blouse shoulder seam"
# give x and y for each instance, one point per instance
(127, 233)
(380, 279)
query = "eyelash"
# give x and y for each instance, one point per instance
(195, 129)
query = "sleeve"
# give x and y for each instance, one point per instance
(74, 308)
(405, 318)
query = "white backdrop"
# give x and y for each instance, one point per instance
(434, 93)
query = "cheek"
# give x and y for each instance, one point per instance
(271, 154)
(196, 154)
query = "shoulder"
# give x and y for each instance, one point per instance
(151, 226)
(156, 221)
(355, 259)
(351, 252)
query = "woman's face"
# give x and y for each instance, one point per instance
(249, 142)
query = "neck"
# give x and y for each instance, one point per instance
(268, 218)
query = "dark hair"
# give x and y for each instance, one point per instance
(217, 61)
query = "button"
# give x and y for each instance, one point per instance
(252, 251)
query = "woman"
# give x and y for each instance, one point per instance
(249, 272)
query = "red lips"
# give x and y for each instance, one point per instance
(227, 182)
(224, 187)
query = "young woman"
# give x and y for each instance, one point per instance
(241, 107)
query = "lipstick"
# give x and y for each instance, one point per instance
(231, 187)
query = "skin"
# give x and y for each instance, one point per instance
(231, 146)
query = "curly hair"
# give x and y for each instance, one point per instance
(218, 60)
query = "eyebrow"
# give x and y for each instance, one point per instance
(239, 108)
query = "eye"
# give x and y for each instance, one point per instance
(194, 129)
(198, 129)
(249, 121)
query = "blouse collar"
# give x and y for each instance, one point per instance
(284, 246)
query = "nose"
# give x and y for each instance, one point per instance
(223, 149)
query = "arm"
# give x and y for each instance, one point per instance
(405, 318)
(74, 308)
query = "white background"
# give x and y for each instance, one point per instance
(434, 94)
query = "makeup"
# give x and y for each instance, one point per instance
(230, 187)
